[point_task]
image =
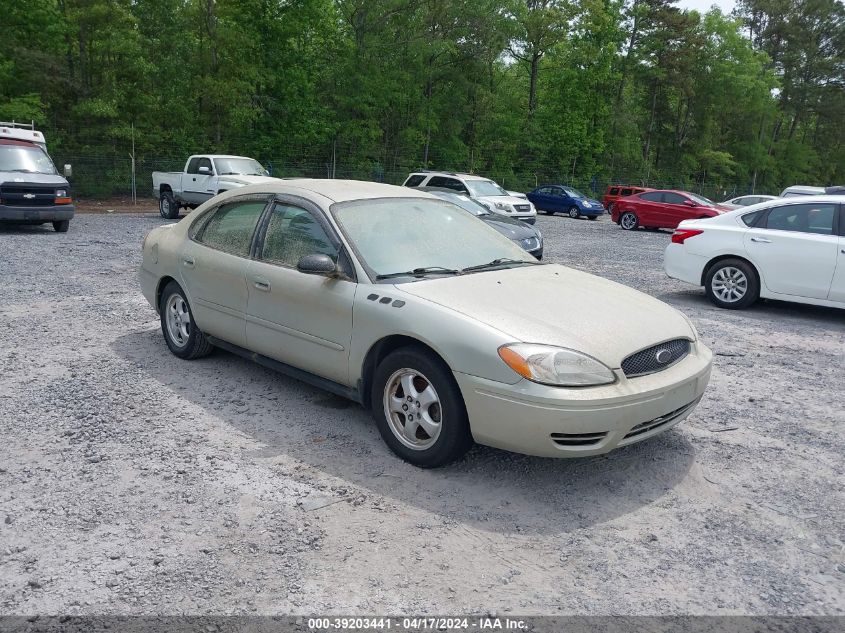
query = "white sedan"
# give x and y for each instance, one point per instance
(787, 249)
(746, 201)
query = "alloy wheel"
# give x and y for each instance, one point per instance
(412, 408)
(178, 319)
(729, 284)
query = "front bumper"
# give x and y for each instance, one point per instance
(528, 219)
(563, 422)
(36, 215)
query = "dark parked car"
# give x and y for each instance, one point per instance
(561, 199)
(528, 237)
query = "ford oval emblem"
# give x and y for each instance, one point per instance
(663, 356)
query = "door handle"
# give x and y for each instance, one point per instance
(761, 240)
(261, 284)
(189, 263)
(194, 179)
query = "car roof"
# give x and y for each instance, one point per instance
(220, 156)
(336, 190)
(454, 174)
(805, 188)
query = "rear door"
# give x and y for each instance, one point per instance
(213, 266)
(837, 288)
(648, 207)
(796, 249)
(300, 319)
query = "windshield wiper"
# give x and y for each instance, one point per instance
(501, 261)
(421, 272)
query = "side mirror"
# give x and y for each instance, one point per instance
(204, 170)
(68, 171)
(690, 203)
(316, 264)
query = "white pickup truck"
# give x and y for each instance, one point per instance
(204, 177)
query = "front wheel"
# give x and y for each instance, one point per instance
(574, 212)
(61, 226)
(167, 207)
(732, 284)
(419, 409)
(181, 334)
(629, 221)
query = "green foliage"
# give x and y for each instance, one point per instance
(522, 90)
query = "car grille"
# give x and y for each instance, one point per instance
(655, 358)
(28, 195)
(522, 208)
(651, 425)
(530, 243)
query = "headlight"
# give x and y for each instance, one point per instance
(502, 206)
(61, 193)
(556, 366)
(586, 204)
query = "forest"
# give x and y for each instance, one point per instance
(525, 91)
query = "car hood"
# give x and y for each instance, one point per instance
(243, 179)
(511, 200)
(555, 305)
(18, 177)
(509, 227)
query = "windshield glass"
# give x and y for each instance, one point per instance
(573, 193)
(476, 208)
(702, 200)
(239, 166)
(393, 235)
(484, 188)
(25, 159)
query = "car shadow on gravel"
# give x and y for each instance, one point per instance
(26, 229)
(490, 489)
(785, 312)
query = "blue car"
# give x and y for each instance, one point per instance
(553, 199)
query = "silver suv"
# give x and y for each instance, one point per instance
(486, 191)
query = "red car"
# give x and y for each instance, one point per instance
(614, 192)
(662, 209)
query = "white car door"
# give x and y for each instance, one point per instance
(199, 184)
(837, 288)
(796, 249)
(301, 319)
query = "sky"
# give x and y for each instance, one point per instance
(704, 5)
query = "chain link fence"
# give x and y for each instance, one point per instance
(102, 176)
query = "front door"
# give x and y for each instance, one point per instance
(300, 319)
(214, 263)
(195, 182)
(796, 249)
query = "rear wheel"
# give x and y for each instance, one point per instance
(181, 334)
(574, 212)
(167, 206)
(732, 284)
(61, 226)
(629, 221)
(419, 409)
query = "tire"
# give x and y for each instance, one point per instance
(167, 207)
(445, 436)
(574, 212)
(61, 226)
(629, 221)
(194, 345)
(732, 284)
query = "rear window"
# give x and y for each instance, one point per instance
(657, 196)
(414, 181)
(614, 191)
(627, 192)
(750, 219)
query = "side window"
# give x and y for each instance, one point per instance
(205, 162)
(293, 233)
(230, 228)
(447, 183)
(673, 198)
(414, 181)
(614, 191)
(750, 219)
(626, 192)
(655, 196)
(193, 165)
(803, 218)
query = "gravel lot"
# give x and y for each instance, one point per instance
(135, 483)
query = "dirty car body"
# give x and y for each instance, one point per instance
(442, 326)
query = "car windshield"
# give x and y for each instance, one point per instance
(480, 188)
(701, 200)
(393, 235)
(239, 166)
(476, 208)
(573, 193)
(29, 159)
